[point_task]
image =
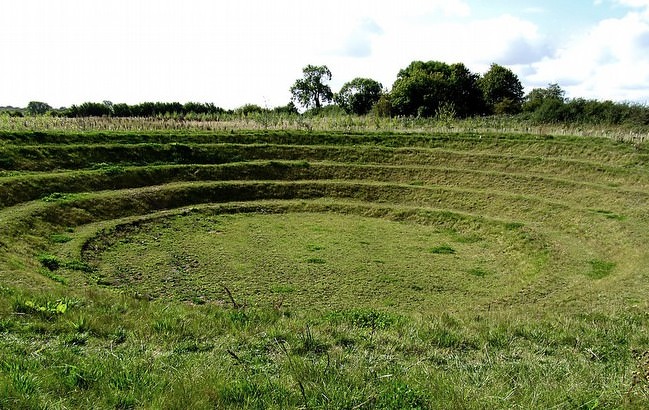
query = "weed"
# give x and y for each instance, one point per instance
(49, 309)
(315, 248)
(310, 344)
(369, 318)
(443, 250)
(48, 273)
(193, 347)
(50, 262)
(76, 339)
(80, 377)
(282, 289)
(6, 324)
(81, 325)
(443, 337)
(78, 265)
(109, 169)
(119, 336)
(600, 269)
(478, 271)
(640, 379)
(25, 383)
(399, 395)
(610, 215)
(60, 238)
(58, 196)
(514, 225)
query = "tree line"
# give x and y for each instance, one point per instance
(437, 89)
(145, 109)
(423, 89)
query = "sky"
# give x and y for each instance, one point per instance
(232, 53)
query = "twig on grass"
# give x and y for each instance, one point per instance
(234, 302)
(234, 355)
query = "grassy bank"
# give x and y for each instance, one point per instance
(279, 268)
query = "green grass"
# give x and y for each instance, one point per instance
(443, 250)
(600, 269)
(193, 256)
(267, 358)
(38, 127)
(327, 268)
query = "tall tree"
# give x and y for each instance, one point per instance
(424, 87)
(502, 90)
(465, 94)
(311, 91)
(359, 95)
(553, 94)
(546, 105)
(38, 108)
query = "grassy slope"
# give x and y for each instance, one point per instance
(472, 271)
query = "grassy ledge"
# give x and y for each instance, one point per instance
(322, 268)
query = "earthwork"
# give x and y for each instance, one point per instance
(307, 269)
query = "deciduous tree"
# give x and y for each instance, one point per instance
(359, 95)
(38, 108)
(311, 91)
(546, 105)
(551, 94)
(502, 90)
(423, 87)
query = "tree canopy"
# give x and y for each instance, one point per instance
(38, 108)
(552, 94)
(145, 109)
(311, 91)
(359, 95)
(423, 87)
(502, 90)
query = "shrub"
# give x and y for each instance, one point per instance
(50, 262)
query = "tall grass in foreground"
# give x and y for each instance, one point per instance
(325, 122)
(108, 351)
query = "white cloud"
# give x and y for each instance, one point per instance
(632, 3)
(75, 50)
(251, 51)
(535, 10)
(477, 43)
(359, 41)
(70, 51)
(610, 61)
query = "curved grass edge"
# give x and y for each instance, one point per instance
(65, 347)
(17, 189)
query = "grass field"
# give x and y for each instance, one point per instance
(325, 122)
(286, 268)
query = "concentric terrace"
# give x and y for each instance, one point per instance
(274, 269)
